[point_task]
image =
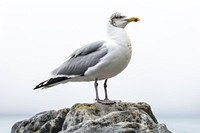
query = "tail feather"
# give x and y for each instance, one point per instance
(51, 82)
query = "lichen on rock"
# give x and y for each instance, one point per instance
(94, 118)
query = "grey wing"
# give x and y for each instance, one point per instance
(81, 60)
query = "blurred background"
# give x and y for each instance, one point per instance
(38, 35)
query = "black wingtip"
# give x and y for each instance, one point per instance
(51, 82)
(37, 87)
(40, 85)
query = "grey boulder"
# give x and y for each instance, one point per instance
(94, 118)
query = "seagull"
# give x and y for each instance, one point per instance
(99, 60)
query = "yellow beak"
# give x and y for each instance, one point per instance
(133, 19)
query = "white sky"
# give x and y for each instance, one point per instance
(38, 35)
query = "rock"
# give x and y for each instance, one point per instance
(44, 122)
(94, 118)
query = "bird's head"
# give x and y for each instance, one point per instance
(120, 21)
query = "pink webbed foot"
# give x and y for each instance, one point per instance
(107, 101)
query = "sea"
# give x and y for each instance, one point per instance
(174, 124)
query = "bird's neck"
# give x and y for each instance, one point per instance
(117, 35)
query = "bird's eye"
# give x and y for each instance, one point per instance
(119, 17)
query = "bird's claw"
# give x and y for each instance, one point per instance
(107, 101)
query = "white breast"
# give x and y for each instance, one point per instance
(115, 61)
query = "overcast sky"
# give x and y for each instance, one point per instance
(38, 35)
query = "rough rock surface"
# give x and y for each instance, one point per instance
(94, 118)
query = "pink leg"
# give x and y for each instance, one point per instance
(105, 89)
(96, 89)
(106, 100)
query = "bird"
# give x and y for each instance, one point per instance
(100, 60)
